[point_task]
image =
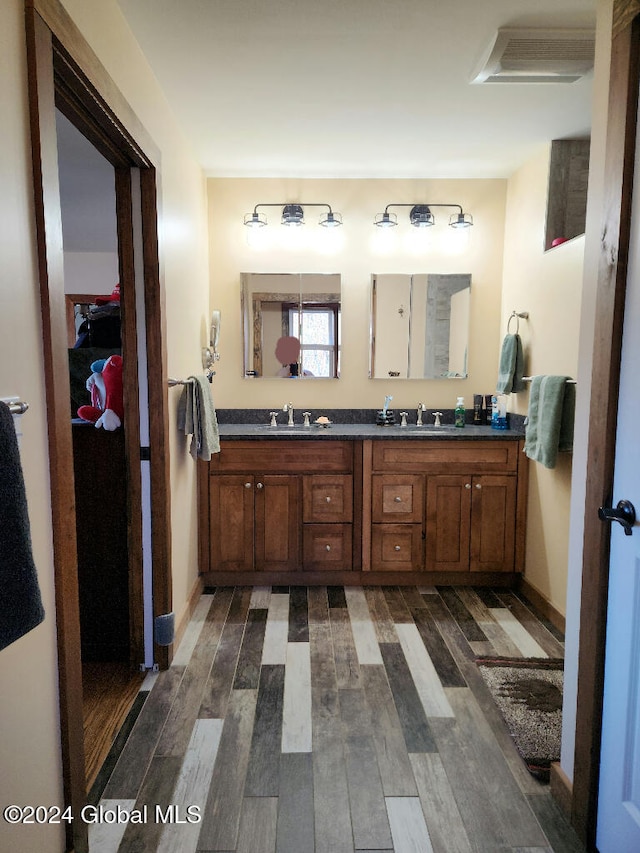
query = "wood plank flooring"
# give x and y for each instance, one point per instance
(108, 692)
(333, 720)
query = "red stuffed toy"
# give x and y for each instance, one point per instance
(105, 384)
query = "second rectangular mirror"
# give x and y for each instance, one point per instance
(420, 326)
(291, 325)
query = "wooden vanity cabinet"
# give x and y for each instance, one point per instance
(461, 510)
(471, 523)
(281, 507)
(254, 522)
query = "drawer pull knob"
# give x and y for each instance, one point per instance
(328, 499)
(247, 485)
(327, 547)
(397, 548)
(467, 485)
(398, 499)
(259, 486)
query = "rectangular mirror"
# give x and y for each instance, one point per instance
(420, 326)
(291, 325)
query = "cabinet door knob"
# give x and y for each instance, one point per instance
(467, 485)
(328, 499)
(397, 548)
(398, 499)
(327, 547)
(247, 485)
(259, 486)
(478, 485)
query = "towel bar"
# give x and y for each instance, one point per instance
(173, 382)
(16, 407)
(529, 378)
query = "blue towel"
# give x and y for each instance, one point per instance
(20, 602)
(197, 417)
(550, 419)
(511, 368)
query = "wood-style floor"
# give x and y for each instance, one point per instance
(108, 692)
(333, 720)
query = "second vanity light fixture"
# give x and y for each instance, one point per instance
(421, 216)
(293, 216)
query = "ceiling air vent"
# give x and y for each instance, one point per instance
(537, 56)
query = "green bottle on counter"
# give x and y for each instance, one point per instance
(458, 415)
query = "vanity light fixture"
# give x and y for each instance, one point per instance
(420, 216)
(293, 216)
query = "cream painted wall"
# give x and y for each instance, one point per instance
(548, 285)
(183, 247)
(29, 740)
(356, 258)
(29, 719)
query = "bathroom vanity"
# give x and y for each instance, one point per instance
(363, 504)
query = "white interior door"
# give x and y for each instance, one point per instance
(618, 827)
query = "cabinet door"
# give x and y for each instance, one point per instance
(231, 522)
(278, 523)
(448, 523)
(328, 498)
(396, 547)
(327, 547)
(397, 498)
(493, 523)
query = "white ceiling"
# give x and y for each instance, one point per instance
(355, 88)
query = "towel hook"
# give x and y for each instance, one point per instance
(524, 315)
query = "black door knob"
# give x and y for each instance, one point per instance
(624, 513)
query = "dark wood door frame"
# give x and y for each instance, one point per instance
(63, 72)
(610, 299)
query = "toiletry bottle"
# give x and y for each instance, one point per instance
(477, 408)
(459, 412)
(488, 412)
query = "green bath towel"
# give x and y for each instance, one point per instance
(552, 404)
(197, 417)
(511, 366)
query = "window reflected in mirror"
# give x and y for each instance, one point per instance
(420, 326)
(291, 324)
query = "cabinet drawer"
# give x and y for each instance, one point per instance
(446, 457)
(328, 498)
(283, 456)
(396, 548)
(397, 497)
(327, 547)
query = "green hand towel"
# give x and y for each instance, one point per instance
(550, 419)
(511, 366)
(197, 417)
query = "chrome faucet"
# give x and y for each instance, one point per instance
(288, 407)
(421, 408)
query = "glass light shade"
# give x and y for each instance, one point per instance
(292, 215)
(421, 216)
(385, 220)
(330, 220)
(255, 220)
(461, 220)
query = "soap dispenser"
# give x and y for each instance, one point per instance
(459, 413)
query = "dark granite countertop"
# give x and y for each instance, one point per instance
(341, 431)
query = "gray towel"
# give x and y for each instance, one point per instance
(552, 404)
(20, 603)
(511, 368)
(197, 417)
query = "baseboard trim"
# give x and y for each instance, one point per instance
(192, 601)
(561, 789)
(541, 604)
